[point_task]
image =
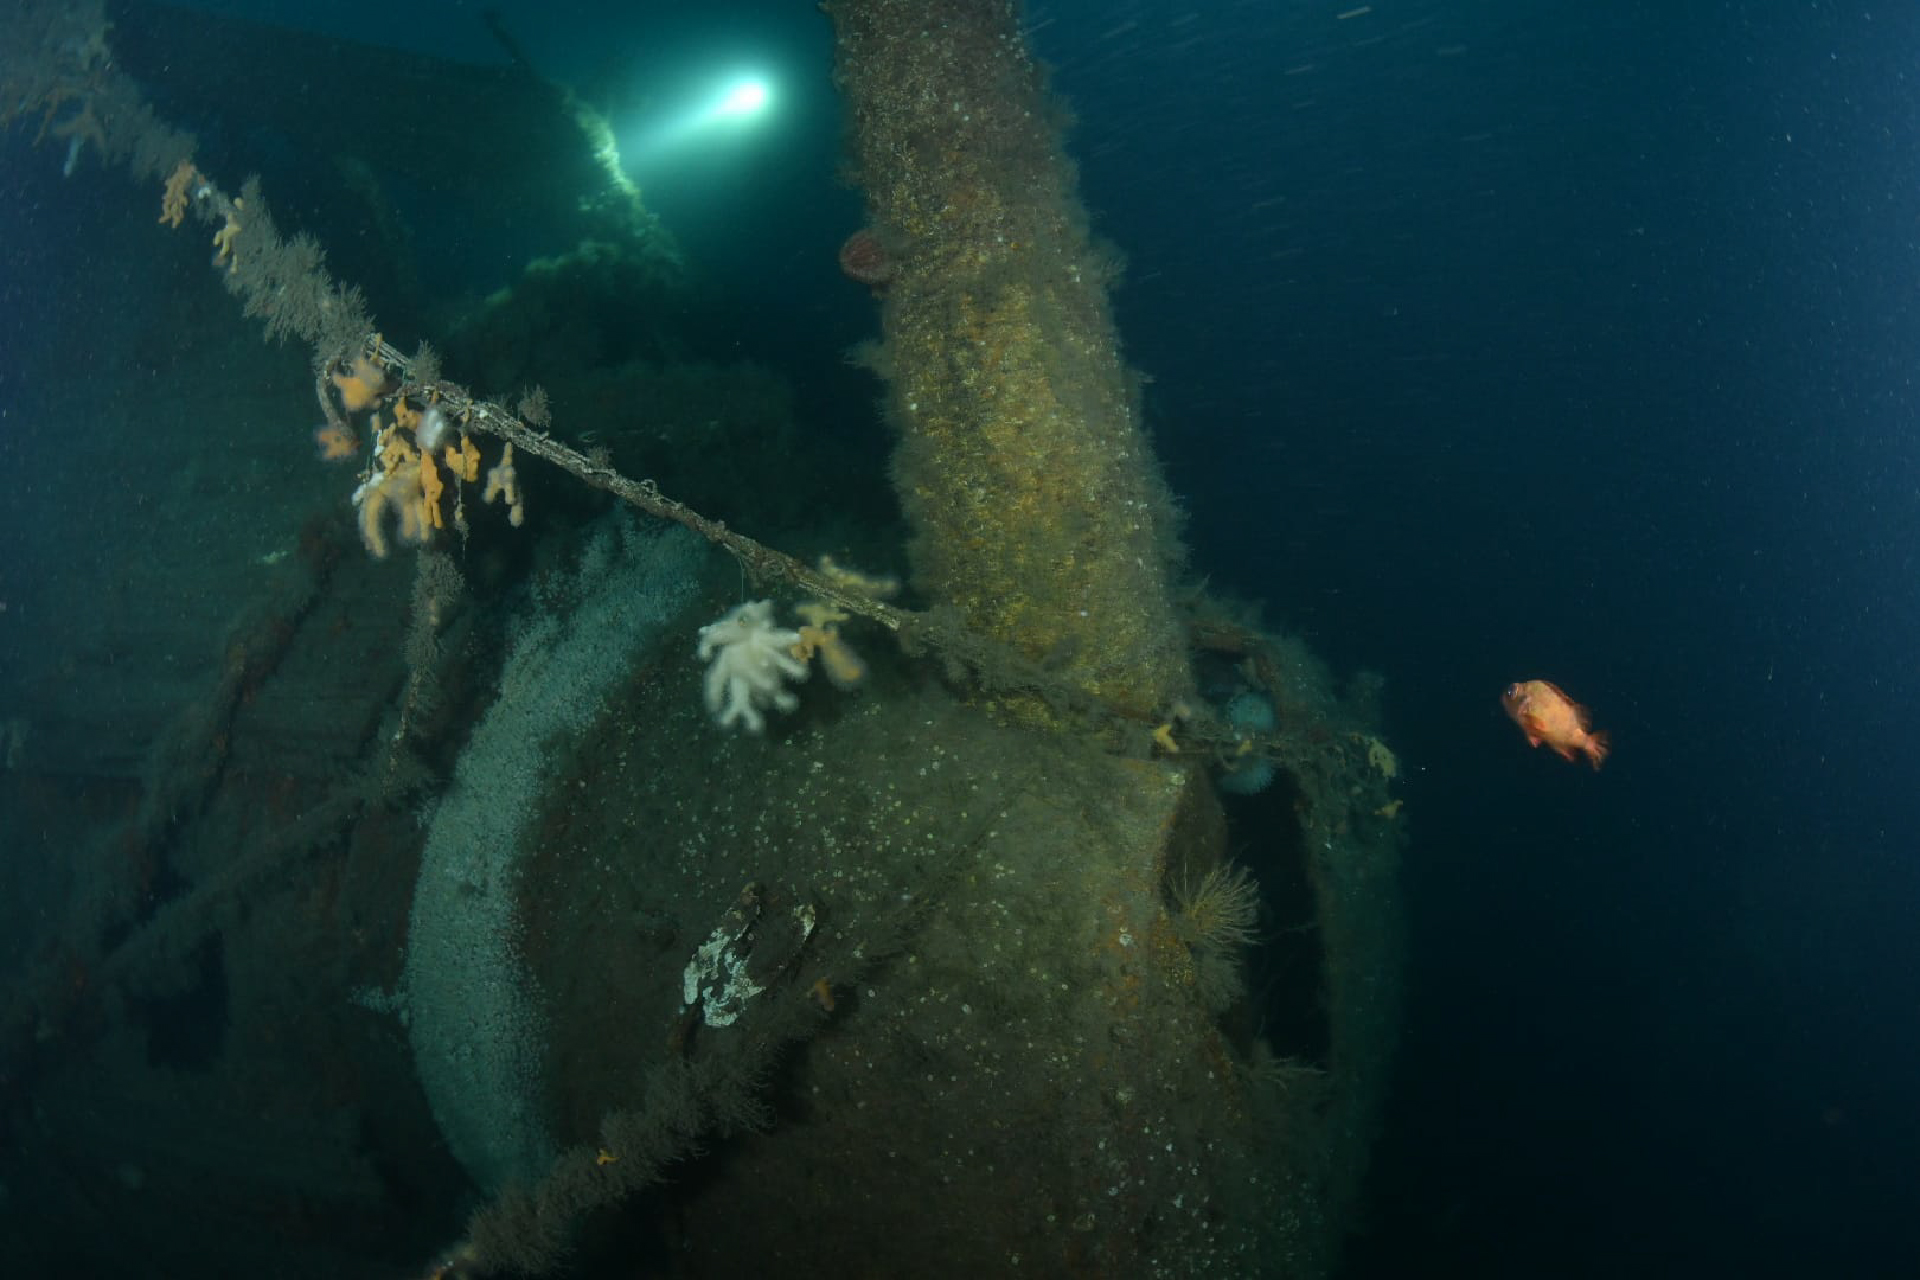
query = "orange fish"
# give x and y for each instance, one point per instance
(1545, 714)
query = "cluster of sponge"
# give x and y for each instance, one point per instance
(414, 444)
(406, 479)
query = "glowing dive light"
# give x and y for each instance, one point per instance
(738, 102)
(743, 99)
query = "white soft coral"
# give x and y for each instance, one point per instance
(751, 662)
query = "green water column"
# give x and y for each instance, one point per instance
(1035, 502)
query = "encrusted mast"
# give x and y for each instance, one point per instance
(1037, 510)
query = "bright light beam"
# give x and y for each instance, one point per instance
(747, 98)
(740, 101)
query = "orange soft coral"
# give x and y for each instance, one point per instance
(504, 482)
(335, 442)
(223, 238)
(431, 487)
(406, 480)
(847, 578)
(464, 462)
(361, 386)
(416, 519)
(406, 477)
(820, 636)
(173, 204)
